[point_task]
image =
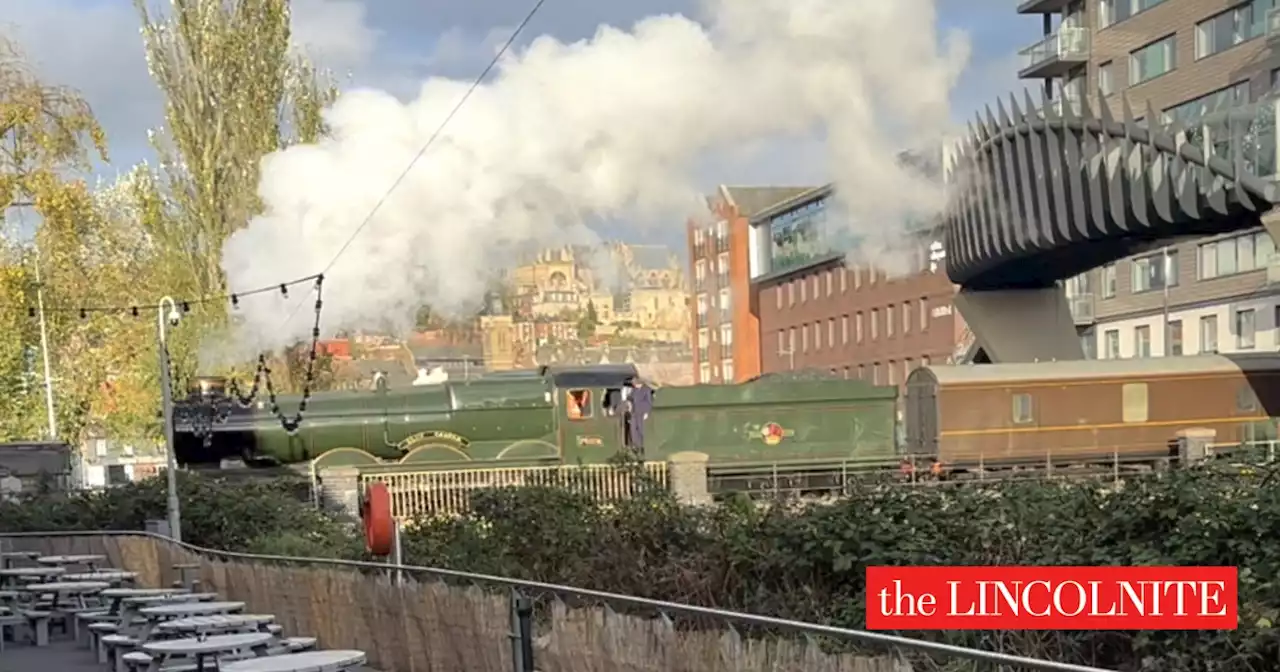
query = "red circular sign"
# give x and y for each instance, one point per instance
(772, 433)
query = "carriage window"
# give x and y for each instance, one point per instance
(577, 404)
(1133, 399)
(1023, 413)
(1246, 400)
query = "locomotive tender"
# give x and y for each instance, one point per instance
(989, 416)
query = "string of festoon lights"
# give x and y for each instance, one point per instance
(262, 372)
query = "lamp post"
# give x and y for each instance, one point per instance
(163, 319)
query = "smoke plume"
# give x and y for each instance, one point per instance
(612, 127)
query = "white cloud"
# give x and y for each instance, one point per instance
(336, 33)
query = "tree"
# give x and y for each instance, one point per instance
(588, 322)
(48, 135)
(235, 91)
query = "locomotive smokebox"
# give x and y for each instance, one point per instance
(208, 387)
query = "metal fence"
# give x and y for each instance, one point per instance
(448, 492)
(412, 619)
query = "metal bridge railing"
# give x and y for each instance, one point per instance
(418, 618)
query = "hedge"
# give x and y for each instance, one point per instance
(801, 562)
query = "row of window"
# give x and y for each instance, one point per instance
(1221, 258)
(707, 234)
(722, 370)
(891, 372)
(881, 321)
(1213, 35)
(821, 284)
(1245, 325)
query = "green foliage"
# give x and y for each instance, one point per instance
(262, 516)
(808, 562)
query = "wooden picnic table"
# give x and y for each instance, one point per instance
(108, 575)
(187, 609)
(310, 661)
(222, 623)
(90, 561)
(76, 590)
(14, 574)
(204, 647)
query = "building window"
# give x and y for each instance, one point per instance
(906, 317)
(875, 373)
(844, 329)
(892, 372)
(1142, 341)
(830, 281)
(1223, 31)
(803, 290)
(804, 338)
(857, 280)
(726, 336)
(1246, 326)
(875, 324)
(857, 327)
(704, 373)
(924, 314)
(816, 292)
(888, 322)
(1153, 60)
(844, 280)
(777, 293)
(1175, 338)
(791, 293)
(862, 372)
(1112, 337)
(924, 361)
(817, 335)
(1023, 413)
(1239, 254)
(831, 332)
(1190, 112)
(1209, 334)
(726, 369)
(1089, 344)
(725, 300)
(1106, 78)
(1109, 281)
(782, 342)
(1154, 272)
(1114, 11)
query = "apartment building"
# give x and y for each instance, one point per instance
(817, 312)
(726, 331)
(1190, 61)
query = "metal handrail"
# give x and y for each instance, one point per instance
(862, 636)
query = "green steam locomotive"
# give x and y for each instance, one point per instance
(553, 415)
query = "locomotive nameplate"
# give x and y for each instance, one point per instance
(423, 437)
(590, 441)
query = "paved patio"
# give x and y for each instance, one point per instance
(59, 656)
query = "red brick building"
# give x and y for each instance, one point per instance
(726, 334)
(773, 295)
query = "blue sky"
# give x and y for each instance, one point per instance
(94, 46)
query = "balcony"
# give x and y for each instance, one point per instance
(1083, 309)
(1065, 100)
(1056, 54)
(1042, 6)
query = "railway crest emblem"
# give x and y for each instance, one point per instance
(773, 433)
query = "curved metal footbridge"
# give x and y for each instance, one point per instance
(1040, 193)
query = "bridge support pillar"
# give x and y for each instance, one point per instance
(1021, 325)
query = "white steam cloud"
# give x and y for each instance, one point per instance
(610, 127)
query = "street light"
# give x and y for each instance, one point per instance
(164, 319)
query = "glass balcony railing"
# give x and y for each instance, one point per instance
(1068, 46)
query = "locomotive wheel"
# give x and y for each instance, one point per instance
(379, 526)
